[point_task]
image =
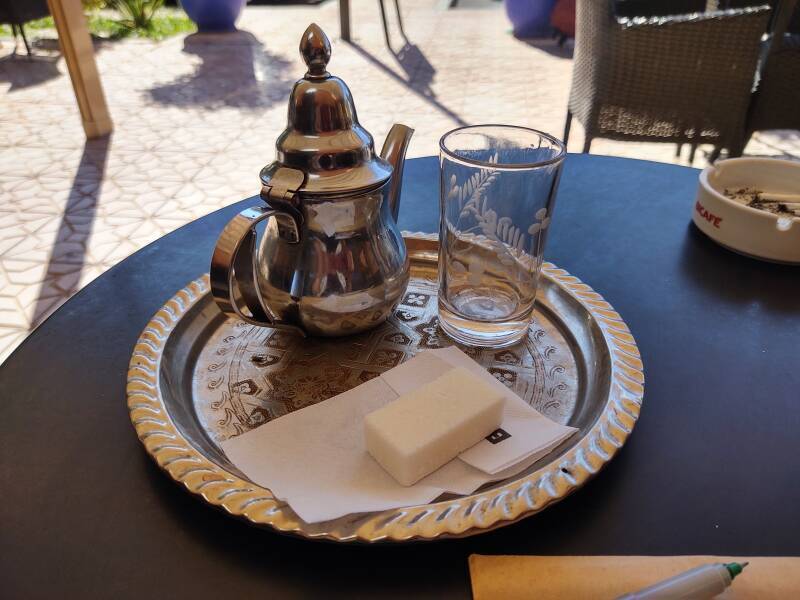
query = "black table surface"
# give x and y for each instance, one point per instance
(713, 466)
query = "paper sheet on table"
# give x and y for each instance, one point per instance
(608, 577)
(315, 458)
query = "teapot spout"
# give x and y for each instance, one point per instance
(394, 152)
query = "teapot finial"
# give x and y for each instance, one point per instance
(323, 137)
(316, 50)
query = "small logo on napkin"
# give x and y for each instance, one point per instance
(497, 436)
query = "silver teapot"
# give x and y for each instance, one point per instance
(330, 259)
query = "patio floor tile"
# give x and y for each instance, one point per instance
(196, 117)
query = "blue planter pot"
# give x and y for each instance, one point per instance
(530, 18)
(213, 15)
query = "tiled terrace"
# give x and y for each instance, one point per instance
(196, 118)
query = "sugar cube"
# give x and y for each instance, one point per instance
(424, 429)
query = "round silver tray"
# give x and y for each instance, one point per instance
(197, 377)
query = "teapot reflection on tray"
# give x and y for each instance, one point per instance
(331, 259)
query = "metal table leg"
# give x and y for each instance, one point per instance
(344, 19)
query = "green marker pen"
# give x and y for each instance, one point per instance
(696, 584)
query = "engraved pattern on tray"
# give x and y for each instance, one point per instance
(248, 375)
(608, 383)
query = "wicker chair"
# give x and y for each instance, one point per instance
(776, 102)
(679, 79)
(657, 8)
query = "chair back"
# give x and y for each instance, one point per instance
(20, 12)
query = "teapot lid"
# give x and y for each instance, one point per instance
(323, 137)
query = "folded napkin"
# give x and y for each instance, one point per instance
(608, 577)
(315, 458)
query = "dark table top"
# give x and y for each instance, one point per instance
(713, 465)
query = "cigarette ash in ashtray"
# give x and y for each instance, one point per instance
(777, 204)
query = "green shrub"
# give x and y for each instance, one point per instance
(142, 18)
(166, 23)
(136, 14)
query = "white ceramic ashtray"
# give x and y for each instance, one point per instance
(752, 206)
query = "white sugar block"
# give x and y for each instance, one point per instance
(424, 429)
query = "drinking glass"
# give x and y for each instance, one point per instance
(497, 190)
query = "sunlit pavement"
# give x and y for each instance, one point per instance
(196, 118)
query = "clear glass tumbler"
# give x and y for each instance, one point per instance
(498, 186)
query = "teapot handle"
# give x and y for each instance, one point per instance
(232, 268)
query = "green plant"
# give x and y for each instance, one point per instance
(163, 24)
(45, 23)
(107, 28)
(169, 24)
(136, 14)
(166, 23)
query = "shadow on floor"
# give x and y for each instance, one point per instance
(23, 71)
(552, 47)
(419, 74)
(68, 254)
(419, 71)
(235, 70)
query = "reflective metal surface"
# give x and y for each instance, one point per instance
(323, 137)
(394, 151)
(348, 272)
(330, 260)
(197, 377)
(244, 297)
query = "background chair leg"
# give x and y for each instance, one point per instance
(587, 144)
(344, 19)
(678, 149)
(736, 149)
(385, 24)
(400, 19)
(692, 150)
(14, 33)
(712, 158)
(24, 39)
(567, 125)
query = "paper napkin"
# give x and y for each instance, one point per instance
(316, 460)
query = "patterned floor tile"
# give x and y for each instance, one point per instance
(196, 118)
(10, 338)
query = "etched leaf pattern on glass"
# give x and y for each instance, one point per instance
(474, 204)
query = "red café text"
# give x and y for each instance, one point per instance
(710, 217)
